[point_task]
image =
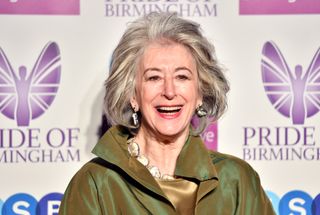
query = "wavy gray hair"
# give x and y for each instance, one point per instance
(120, 85)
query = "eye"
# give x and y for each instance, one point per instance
(182, 77)
(153, 78)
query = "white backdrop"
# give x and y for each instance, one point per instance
(33, 182)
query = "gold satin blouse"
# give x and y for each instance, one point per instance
(181, 193)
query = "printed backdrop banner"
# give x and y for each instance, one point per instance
(54, 59)
(67, 7)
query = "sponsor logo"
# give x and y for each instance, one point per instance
(279, 7)
(295, 202)
(316, 205)
(51, 7)
(35, 145)
(25, 97)
(295, 95)
(209, 135)
(292, 202)
(1, 204)
(185, 8)
(23, 203)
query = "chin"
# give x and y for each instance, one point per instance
(171, 132)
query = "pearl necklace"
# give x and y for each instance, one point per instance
(134, 151)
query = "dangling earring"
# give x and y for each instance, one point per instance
(201, 112)
(135, 117)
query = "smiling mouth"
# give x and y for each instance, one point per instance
(169, 110)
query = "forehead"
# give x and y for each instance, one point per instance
(167, 54)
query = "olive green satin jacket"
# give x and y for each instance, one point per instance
(115, 183)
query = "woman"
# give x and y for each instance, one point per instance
(152, 161)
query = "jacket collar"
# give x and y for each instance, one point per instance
(112, 147)
(193, 162)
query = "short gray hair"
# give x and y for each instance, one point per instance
(120, 85)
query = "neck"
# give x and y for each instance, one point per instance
(162, 151)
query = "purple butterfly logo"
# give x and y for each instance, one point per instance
(25, 97)
(295, 95)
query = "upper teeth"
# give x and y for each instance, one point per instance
(169, 108)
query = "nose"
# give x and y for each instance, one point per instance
(169, 90)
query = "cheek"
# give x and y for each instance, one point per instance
(149, 92)
(191, 93)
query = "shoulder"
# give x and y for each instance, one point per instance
(95, 170)
(234, 167)
(236, 173)
(86, 188)
(221, 159)
(237, 177)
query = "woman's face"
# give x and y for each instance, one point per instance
(167, 89)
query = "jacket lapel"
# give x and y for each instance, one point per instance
(194, 162)
(112, 147)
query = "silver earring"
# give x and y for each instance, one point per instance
(135, 117)
(201, 112)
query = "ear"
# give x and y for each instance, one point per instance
(134, 104)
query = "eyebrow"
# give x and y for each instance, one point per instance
(183, 68)
(159, 70)
(151, 69)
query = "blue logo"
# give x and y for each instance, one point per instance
(295, 202)
(1, 204)
(20, 203)
(23, 203)
(50, 203)
(316, 205)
